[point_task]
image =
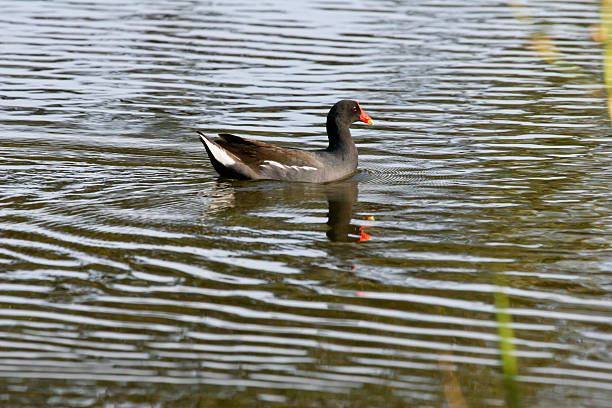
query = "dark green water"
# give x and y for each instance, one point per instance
(131, 276)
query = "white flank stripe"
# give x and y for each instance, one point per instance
(277, 164)
(282, 166)
(219, 154)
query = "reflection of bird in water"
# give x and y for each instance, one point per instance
(340, 198)
(241, 196)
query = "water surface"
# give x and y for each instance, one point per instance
(133, 276)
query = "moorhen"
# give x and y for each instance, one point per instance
(236, 157)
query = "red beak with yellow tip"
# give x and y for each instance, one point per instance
(364, 117)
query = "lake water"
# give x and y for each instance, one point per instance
(467, 264)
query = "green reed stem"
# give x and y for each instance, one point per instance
(507, 350)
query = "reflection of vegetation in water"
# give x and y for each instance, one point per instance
(507, 350)
(450, 382)
(543, 44)
(604, 36)
(540, 41)
(509, 366)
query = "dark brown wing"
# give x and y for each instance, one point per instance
(255, 153)
(237, 140)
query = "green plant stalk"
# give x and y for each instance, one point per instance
(507, 350)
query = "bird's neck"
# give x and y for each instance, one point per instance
(339, 136)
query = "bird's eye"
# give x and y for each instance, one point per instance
(354, 109)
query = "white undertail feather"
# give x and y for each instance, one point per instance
(219, 154)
